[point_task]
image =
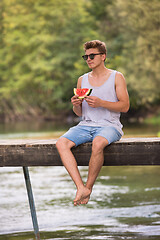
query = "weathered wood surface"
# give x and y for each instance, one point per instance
(128, 151)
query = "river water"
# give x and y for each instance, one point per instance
(125, 202)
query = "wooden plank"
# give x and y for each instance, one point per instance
(128, 151)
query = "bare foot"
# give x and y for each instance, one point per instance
(85, 200)
(83, 193)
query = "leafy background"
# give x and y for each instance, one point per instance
(41, 43)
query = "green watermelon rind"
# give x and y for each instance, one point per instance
(86, 94)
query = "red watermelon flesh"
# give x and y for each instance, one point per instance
(82, 92)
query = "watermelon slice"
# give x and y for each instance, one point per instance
(82, 92)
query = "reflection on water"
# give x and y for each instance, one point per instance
(125, 204)
(41, 129)
(36, 129)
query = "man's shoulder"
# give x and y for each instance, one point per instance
(80, 81)
(85, 75)
(118, 73)
(119, 78)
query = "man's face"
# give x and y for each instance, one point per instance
(97, 60)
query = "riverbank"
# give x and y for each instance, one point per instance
(54, 129)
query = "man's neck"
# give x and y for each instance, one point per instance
(99, 71)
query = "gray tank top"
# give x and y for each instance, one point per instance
(101, 117)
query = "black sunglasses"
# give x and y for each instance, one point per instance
(91, 56)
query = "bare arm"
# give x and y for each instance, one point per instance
(77, 103)
(122, 94)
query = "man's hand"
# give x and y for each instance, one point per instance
(93, 101)
(77, 105)
(76, 101)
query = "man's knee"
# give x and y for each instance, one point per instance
(99, 143)
(61, 143)
(64, 143)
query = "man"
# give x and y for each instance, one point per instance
(100, 113)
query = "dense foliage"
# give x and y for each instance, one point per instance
(41, 43)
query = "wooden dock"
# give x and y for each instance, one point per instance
(128, 151)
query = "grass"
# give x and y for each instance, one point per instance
(153, 120)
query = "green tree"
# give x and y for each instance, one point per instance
(131, 31)
(139, 27)
(42, 47)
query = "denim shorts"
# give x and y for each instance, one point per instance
(81, 134)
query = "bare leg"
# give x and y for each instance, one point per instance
(96, 162)
(64, 148)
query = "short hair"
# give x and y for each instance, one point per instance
(101, 46)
